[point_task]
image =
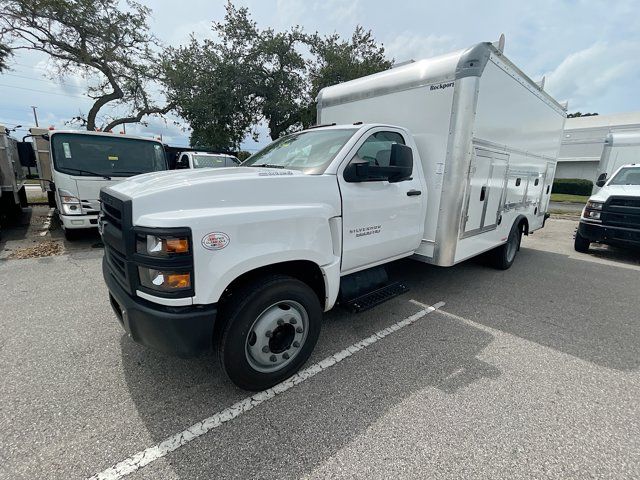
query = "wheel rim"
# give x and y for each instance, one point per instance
(512, 247)
(277, 336)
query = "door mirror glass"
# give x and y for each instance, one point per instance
(383, 156)
(602, 179)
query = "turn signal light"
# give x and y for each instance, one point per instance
(177, 245)
(178, 280)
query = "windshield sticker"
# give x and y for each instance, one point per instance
(215, 240)
(113, 158)
(67, 150)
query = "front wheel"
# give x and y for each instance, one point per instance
(271, 327)
(581, 244)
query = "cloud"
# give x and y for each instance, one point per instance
(416, 47)
(594, 72)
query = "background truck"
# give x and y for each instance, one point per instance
(619, 149)
(12, 180)
(75, 165)
(439, 160)
(206, 160)
(612, 215)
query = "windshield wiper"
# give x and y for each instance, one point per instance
(268, 165)
(128, 172)
(105, 176)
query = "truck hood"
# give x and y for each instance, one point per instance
(160, 196)
(611, 190)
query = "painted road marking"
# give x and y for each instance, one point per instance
(176, 441)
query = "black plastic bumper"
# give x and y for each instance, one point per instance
(609, 235)
(180, 331)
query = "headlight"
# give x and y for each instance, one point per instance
(164, 281)
(70, 204)
(162, 246)
(592, 211)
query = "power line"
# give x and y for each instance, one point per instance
(42, 80)
(44, 91)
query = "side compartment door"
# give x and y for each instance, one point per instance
(485, 191)
(380, 220)
(545, 195)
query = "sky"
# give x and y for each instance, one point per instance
(589, 51)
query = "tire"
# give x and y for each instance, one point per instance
(271, 327)
(505, 255)
(71, 235)
(581, 244)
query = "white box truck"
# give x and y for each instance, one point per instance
(620, 149)
(439, 160)
(75, 165)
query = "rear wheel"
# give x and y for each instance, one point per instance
(272, 326)
(505, 255)
(581, 244)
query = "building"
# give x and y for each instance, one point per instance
(583, 142)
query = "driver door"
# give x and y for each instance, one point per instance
(381, 220)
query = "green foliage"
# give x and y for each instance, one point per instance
(223, 88)
(111, 47)
(572, 186)
(337, 60)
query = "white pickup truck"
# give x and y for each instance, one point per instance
(612, 216)
(439, 160)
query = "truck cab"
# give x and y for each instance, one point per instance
(205, 160)
(612, 215)
(76, 165)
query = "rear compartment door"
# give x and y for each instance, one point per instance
(545, 195)
(485, 190)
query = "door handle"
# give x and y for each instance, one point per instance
(413, 193)
(483, 191)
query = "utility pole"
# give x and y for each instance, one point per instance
(35, 115)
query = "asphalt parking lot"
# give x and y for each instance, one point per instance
(531, 372)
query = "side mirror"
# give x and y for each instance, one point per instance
(357, 171)
(401, 161)
(602, 179)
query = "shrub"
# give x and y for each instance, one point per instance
(572, 186)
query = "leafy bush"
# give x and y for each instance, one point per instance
(572, 186)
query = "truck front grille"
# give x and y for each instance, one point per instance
(621, 212)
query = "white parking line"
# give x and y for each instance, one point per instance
(176, 441)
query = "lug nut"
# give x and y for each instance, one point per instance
(269, 333)
(265, 349)
(273, 358)
(285, 355)
(293, 321)
(299, 329)
(296, 344)
(280, 321)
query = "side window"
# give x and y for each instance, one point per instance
(183, 162)
(377, 148)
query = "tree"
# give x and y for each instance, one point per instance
(212, 84)
(337, 60)
(5, 52)
(226, 86)
(111, 47)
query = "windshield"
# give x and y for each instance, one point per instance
(310, 151)
(214, 161)
(97, 155)
(626, 176)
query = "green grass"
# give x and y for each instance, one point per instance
(565, 197)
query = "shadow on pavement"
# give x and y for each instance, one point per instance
(298, 431)
(340, 403)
